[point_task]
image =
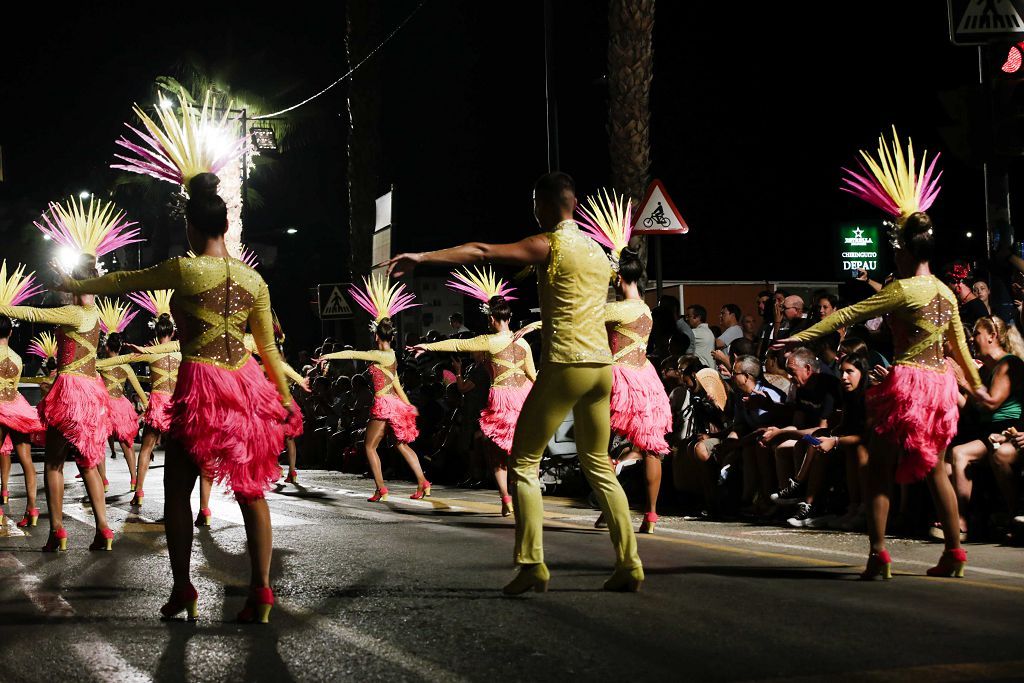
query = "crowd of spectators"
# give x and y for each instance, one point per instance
(788, 443)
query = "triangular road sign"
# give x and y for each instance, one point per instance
(658, 214)
(990, 16)
(334, 305)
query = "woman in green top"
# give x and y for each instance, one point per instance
(1001, 350)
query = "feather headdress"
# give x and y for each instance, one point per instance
(44, 346)
(96, 230)
(178, 150)
(381, 299)
(894, 182)
(18, 287)
(480, 284)
(114, 315)
(609, 220)
(157, 302)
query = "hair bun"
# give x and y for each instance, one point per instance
(162, 316)
(204, 184)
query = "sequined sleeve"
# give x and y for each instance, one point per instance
(884, 301)
(481, 343)
(381, 357)
(291, 373)
(529, 369)
(164, 275)
(262, 326)
(166, 347)
(619, 312)
(69, 316)
(134, 381)
(961, 354)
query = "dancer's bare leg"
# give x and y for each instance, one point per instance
(372, 438)
(1003, 461)
(150, 437)
(5, 470)
(205, 487)
(57, 448)
(94, 487)
(881, 465)
(259, 538)
(24, 450)
(179, 479)
(414, 462)
(945, 504)
(499, 466)
(289, 444)
(652, 472)
(128, 449)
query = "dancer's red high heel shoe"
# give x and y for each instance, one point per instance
(137, 498)
(106, 542)
(1, 516)
(257, 607)
(951, 563)
(650, 519)
(58, 540)
(506, 506)
(106, 486)
(422, 491)
(203, 518)
(30, 518)
(5, 495)
(879, 564)
(183, 600)
(133, 486)
(380, 494)
(292, 478)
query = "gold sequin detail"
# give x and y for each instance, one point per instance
(507, 365)
(628, 340)
(9, 374)
(114, 379)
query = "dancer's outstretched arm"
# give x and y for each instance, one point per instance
(532, 251)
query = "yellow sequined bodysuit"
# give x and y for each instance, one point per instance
(510, 362)
(115, 374)
(383, 370)
(923, 316)
(77, 337)
(10, 374)
(629, 325)
(214, 298)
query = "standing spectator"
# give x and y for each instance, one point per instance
(455, 320)
(794, 316)
(749, 325)
(729, 318)
(704, 338)
(983, 293)
(825, 304)
(972, 308)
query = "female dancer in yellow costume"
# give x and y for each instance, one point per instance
(163, 377)
(124, 421)
(76, 407)
(226, 419)
(510, 362)
(914, 410)
(391, 407)
(18, 420)
(575, 374)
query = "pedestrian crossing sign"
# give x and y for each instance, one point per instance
(332, 302)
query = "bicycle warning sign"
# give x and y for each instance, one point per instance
(658, 215)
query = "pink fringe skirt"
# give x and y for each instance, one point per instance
(18, 416)
(78, 408)
(231, 422)
(916, 409)
(158, 415)
(293, 427)
(640, 409)
(498, 420)
(124, 421)
(399, 415)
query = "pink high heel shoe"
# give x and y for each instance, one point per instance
(184, 600)
(647, 526)
(506, 506)
(951, 564)
(257, 607)
(422, 491)
(30, 518)
(203, 518)
(879, 564)
(379, 495)
(58, 540)
(106, 542)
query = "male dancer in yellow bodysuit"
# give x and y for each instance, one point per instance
(575, 373)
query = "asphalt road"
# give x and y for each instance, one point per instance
(409, 590)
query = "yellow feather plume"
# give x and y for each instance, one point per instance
(44, 345)
(114, 315)
(14, 287)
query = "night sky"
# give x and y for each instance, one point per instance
(753, 115)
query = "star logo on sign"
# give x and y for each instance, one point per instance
(858, 233)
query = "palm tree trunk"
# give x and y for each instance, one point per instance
(630, 71)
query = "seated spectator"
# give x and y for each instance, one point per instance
(729, 318)
(775, 373)
(847, 440)
(1001, 351)
(816, 397)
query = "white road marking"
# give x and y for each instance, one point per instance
(45, 601)
(104, 661)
